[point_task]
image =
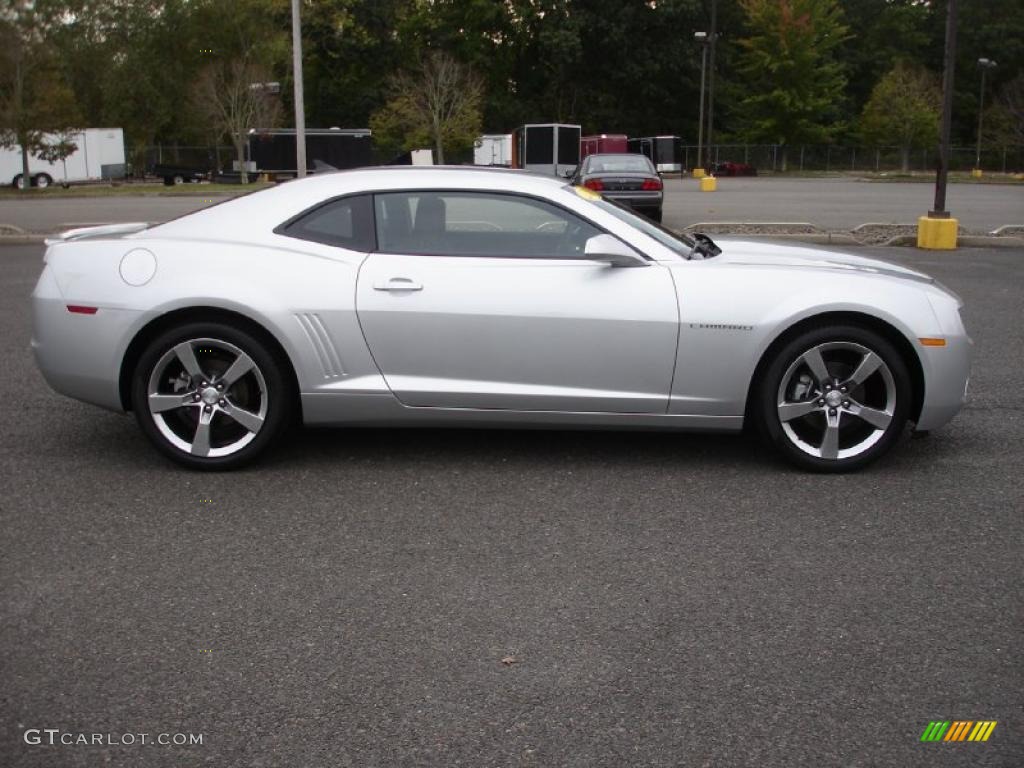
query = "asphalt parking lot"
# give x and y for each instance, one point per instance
(661, 599)
(835, 204)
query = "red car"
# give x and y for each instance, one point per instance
(729, 168)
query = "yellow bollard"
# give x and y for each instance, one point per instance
(937, 234)
(708, 184)
(976, 173)
(698, 173)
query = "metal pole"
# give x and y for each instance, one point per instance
(700, 120)
(300, 107)
(981, 114)
(939, 210)
(712, 35)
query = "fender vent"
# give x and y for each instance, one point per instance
(320, 341)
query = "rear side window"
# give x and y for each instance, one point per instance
(346, 222)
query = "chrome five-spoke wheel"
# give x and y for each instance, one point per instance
(209, 395)
(835, 398)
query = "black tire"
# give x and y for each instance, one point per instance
(266, 388)
(884, 393)
(168, 181)
(42, 180)
(16, 182)
(655, 216)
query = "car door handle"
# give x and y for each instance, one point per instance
(398, 284)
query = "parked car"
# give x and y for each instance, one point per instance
(447, 296)
(730, 168)
(626, 178)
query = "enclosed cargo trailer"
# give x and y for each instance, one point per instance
(603, 143)
(274, 151)
(99, 155)
(548, 148)
(666, 152)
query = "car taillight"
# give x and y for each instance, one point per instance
(593, 184)
(651, 185)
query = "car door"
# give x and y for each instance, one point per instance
(483, 300)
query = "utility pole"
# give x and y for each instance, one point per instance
(712, 37)
(300, 107)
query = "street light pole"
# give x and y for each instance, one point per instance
(702, 38)
(938, 230)
(939, 211)
(712, 37)
(300, 107)
(984, 65)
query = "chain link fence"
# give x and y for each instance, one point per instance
(763, 157)
(823, 157)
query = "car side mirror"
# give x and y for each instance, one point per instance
(613, 251)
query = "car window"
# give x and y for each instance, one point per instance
(680, 244)
(620, 164)
(463, 223)
(346, 222)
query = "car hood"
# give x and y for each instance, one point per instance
(764, 254)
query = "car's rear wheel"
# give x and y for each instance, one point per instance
(42, 180)
(834, 399)
(210, 396)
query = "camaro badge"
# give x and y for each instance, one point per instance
(721, 327)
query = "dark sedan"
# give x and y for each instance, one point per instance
(627, 178)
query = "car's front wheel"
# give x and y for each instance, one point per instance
(834, 399)
(210, 396)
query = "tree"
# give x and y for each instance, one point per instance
(903, 110)
(1004, 120)
(57, 149)
(794, 83)
(233, 97)
(438, 104)
(34, 99)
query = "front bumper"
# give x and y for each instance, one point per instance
(947, 371)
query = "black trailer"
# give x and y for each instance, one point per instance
(549, 148)
(666, 152)
(274, 151)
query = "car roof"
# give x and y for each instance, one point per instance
(290, 198)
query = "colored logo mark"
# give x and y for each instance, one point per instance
(958, 730)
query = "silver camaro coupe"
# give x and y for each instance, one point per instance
(458, 296)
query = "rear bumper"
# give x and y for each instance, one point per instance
(647, 201)
(79, 355)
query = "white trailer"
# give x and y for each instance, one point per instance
(100, 155)
(493, 149)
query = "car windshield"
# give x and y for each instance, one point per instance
(680, 244)
(619, 164)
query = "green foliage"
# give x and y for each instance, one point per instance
(34, 98)
(437, 104)
(903, 110)
(793, 81)
(787, 71)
